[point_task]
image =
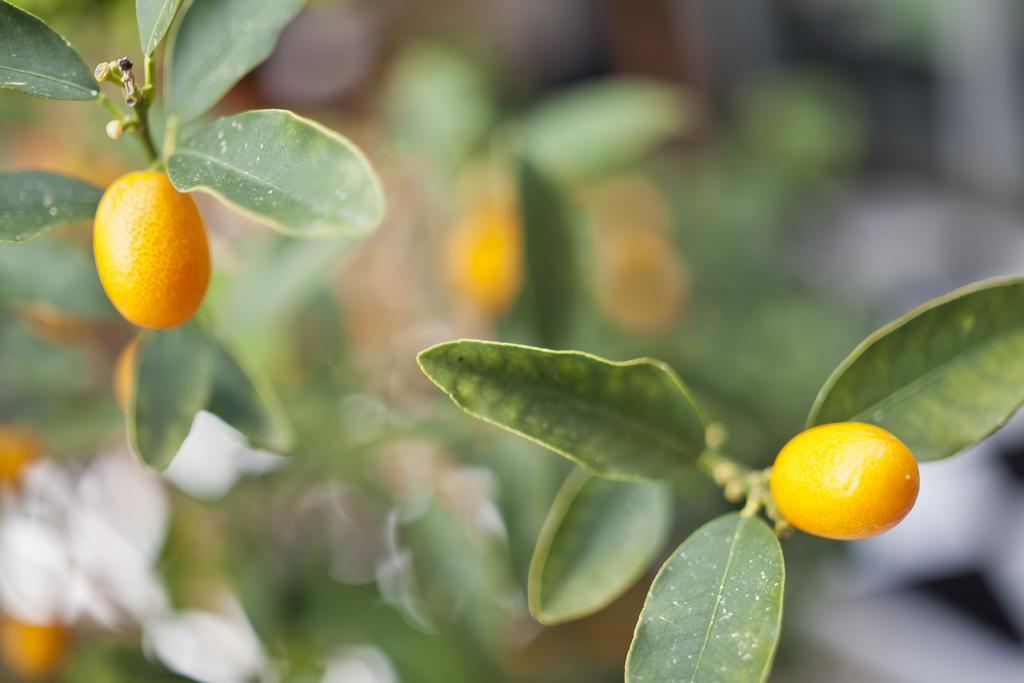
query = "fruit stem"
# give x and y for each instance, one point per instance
(740, 482)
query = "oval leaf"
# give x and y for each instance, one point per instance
(172, 384)
(36, 60)
(597, 127)
(154, 17)
(715, 608)
(246, 402)
(218, 42)
(627, 421)
(942, 377)
(32, 202)
(284, 170)
(598, 539)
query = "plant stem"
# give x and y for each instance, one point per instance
(141, 108)
(107, 104)
(741, 483)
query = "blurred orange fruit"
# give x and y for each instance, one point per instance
(846, 481)
(124, 373)
(31, 651)
(639, 280)
(18, 447)
(485, 255)
(151, 250)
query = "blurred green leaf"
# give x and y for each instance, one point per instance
(54, 275)
(626, 421)
(154, 17)
(599, 538)
(36, 60)
(216, 43)
(599, 126)
(32, 202)
(714, 611)
(34, 370)
(172, 383)
(550, 267)
(244, 399)
(277, 276)
(284, 170)
(824, 124)
(942, 377)
(439, 102)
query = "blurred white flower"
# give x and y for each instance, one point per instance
(396, 580)
(83, 547)
(212, 646)
(359, 664)
(214, 456)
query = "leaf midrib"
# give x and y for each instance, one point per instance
(47, 77)
(667, 440)
(345, 213)
(920, 383)
(718, 597)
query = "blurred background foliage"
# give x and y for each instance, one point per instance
(740, 189)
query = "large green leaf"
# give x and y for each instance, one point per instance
(244, 400)
(599, 537)
(626, 421)
(714, 610)
(173, 381)
(284, 170)
(32, 202)
(550, 275)
(154, 17)
(942, 377)
(600, 126)
(35, 59)
(218, 42)
(54, 275)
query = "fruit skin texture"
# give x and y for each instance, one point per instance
(151, 250)
(31, 651)
(845, 481)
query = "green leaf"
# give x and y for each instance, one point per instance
(244, 400)
(216, 44)
(439, 102)
(550, 275)
(172, 383)
(277, 275)
(32, 202)
(284, 170)
(53, 275)
(626, 421)
(714, 610)
(600, 126)
(36, 60)
(155, 17)
(942, 377)
(599, 538)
